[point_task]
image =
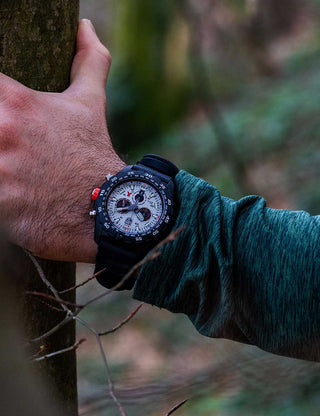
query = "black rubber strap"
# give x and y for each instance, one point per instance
(117, 261)
(160, 164)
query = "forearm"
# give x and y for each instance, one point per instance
(241, 271)
(54, 149)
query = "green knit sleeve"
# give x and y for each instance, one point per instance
(240, 270)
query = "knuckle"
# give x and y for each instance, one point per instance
(8, 129)
(105, 54)
(19, 98)
(9, 135)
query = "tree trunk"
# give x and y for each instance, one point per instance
(37, 44)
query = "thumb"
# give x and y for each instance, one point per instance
(91, 64)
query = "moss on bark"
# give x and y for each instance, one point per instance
(37, 40)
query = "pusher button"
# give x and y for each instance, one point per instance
(95, 193)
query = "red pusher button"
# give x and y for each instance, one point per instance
(95, 193)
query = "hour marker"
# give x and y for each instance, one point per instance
(151, 195)
(117, 220)
(155, 216)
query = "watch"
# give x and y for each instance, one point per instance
(133, 211)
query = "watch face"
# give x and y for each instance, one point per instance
(134, 207)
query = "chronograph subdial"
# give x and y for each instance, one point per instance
(123, 204)
(143, 214)
(140, 197)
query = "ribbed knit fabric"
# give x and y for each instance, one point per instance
(240, 270)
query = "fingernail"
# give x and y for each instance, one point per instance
(88, 22)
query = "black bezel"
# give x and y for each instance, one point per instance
(104, 227)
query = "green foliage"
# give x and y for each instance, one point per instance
(204, 406)
(150, 96)
(149, 83)
(301, 399)
(272, 118)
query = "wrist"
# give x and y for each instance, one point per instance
(73, 238)
(88, 250)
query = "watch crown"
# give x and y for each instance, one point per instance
(93, 213)
(108, 176)
(95, 193)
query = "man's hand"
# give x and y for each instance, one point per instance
(54, 149)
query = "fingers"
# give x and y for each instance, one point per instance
(91, 63)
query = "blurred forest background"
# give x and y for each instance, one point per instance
(229, 90)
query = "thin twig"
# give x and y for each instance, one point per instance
(42, 349)
(49, 305)
(45, 280)
(83, 283)
(70, 316)
(53, 298)
(176, 407)
(127, 319)
(155, 252)
(48, 284)
(104, 358)
(51, 331)
(53, 354)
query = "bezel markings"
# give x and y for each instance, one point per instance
(111, 230)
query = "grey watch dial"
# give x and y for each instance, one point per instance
(134, 207)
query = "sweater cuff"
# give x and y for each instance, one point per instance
(161, 281)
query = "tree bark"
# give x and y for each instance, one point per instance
(37, 44)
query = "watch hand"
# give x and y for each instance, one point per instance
(131, 207)
(122, 210)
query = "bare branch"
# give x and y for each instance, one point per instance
(51, 331)
(52, 354)
(127, 319)
(53, 298)
(70, 315)
(45, 280)
(73, 315)
(49, 305)
(104, 358)
(83, 283)
(43, 348)
(176, 407)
